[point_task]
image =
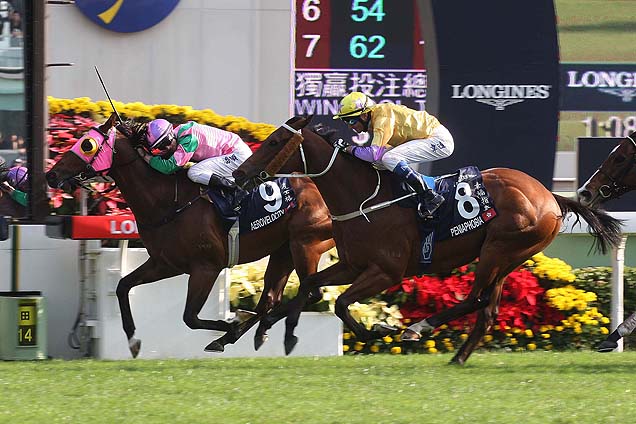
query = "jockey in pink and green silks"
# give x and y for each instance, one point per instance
(216, 153)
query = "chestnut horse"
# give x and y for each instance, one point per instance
(376, 255)
(184, 238)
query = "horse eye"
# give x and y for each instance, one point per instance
(619, 159)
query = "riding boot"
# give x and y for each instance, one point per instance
(237, 194)
(430, 201)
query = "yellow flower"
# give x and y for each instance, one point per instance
(345, 348)
(513, 341)
(346, 336)
(463, 336)
(359, 346)
(432, 350)
(605, 320)
(558, 328)
(531, 346)
(545, 335)
(430, 343)
(396, 350)
(529, 333)
(488, 338)
(604, 330)
(387, 339)
(374, 348)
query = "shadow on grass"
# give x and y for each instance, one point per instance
(613, 26)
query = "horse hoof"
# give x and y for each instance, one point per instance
(260, 340)
(135, 346)
(410, 336)
(607, 346)
(456, 361)
(215, 346)
(384, 329)
(290, 343)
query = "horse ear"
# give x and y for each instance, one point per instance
(110, 122)
(305, 120)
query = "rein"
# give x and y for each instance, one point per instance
(286, 152)
(616, 188)
(296, 142)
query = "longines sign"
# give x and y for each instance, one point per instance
(598, 87)
(500, 96)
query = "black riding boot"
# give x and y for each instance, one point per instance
(237, 193)
(430, 201)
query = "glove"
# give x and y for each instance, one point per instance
(340, 145)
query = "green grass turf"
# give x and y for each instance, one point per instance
(529, 387)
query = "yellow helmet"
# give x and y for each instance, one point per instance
(354, 104)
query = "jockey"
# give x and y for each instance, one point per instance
(15, 182)
(217, 153)
(401, 136)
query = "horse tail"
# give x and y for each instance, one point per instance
(605, 228)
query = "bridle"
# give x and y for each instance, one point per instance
(616, 187)
(296, 142)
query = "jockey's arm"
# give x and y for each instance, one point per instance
(369, 154)
(185, 150)
(20, 197)
(17, 195)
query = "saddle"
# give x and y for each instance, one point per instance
(467, 207)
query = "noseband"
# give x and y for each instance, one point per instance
(616, 187)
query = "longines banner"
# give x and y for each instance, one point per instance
(598, 87)
(498, 81)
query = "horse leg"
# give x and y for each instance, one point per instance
(371, 281)
(148, 272)
(485, 319)
(199, 286)
(279, 267)
(489, 269)
(339, 273)
(305, 261)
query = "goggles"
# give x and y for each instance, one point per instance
(161, 146)
(351, 121)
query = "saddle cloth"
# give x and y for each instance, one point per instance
(468, 206)
(264, 205)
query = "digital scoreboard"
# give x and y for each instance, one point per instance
(372, 46)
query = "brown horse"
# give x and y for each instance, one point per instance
(376, 255)
(191, 239)
(615, 177)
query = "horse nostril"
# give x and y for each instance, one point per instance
(584, 195)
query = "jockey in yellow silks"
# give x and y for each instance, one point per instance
(401, 136)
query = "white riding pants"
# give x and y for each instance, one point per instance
(220, 165)
(439, 145)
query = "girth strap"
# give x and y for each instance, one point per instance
(233, 245)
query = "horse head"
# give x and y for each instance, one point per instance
(97, 152)
(615, 177)
(278, 153)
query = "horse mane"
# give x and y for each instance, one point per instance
(138, 130)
